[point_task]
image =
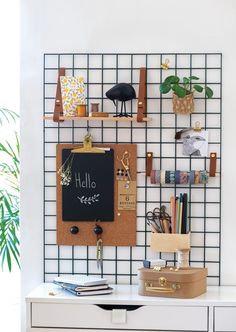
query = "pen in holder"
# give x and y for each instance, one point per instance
(169, 234)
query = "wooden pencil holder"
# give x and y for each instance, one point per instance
(164, 242)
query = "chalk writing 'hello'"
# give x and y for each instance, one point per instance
(84, 181)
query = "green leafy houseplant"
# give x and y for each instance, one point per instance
(183, 101)
(184, 88)
(9, 194)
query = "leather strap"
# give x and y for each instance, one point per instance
(149, 158)
(142, 103)
(213, 157)
(58, 109)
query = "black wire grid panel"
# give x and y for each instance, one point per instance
(101, 72)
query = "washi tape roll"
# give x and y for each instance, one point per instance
(172, 177)
(197, 177)
(204, 177)
(191, 177)
(163, 174)
(183, 177)
(158, 176)
(167, 177)
(200, 177)
(153, 176)
(177, 177)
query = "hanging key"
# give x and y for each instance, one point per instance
(99, 253)
(98, 231)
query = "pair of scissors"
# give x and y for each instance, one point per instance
(159, 220)
(125, 163)
(153, 220)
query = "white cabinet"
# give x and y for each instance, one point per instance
(125, 310)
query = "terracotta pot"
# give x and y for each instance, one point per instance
(183, 105)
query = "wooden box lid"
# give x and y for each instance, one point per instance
(183, 275)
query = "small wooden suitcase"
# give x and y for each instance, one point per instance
(170, 282)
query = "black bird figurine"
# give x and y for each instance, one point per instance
(121, 92)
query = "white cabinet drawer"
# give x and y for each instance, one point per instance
(67, 315)
(83, 330)
(225, 319)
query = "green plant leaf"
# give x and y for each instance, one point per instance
(172, 79)
(198, 87)
(8, 258)
(7, 115)
(179, 91)
(209, 92)
(186, 80)
(193, 78)
(9, 196)
(15, 253)
(165, 88)
(3, 254)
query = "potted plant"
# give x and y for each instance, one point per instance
(183, 92)
(9, 193)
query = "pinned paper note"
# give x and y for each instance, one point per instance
(196, 143)
(127, 195)
(73, 94)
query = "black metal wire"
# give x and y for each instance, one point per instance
(138, 134)
(44, 180)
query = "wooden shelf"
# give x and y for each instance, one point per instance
(90, 118)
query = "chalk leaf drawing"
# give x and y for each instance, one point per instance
(89, 200)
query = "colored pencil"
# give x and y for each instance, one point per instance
(181, 213)
(173, 214)
(177, 213)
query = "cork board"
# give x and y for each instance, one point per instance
(122, 230)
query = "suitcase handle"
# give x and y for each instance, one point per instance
(172, 289)
(160, 289)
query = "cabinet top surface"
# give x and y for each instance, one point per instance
(128, 295)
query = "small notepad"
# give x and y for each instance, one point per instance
(81, 280)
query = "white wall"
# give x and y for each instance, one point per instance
(118, 26)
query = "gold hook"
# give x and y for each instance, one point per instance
(166, 65)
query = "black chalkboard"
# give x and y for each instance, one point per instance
(90, 194)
